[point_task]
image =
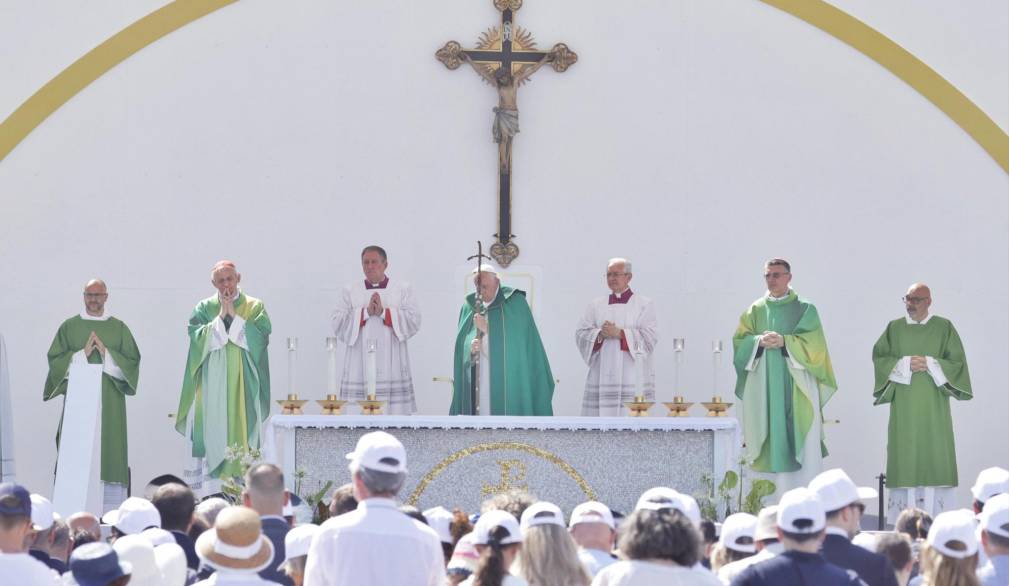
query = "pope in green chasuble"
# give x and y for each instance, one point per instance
(97, 338)
(515, 372)
(919, 365)
(226, 386)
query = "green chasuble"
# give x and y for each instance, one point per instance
(777, 407)
(117, 382)
(920, 450)
(226, 387)
(520, 379)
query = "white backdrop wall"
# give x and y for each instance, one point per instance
(697, 138)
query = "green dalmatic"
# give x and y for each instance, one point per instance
(70, 338)
(920, 449)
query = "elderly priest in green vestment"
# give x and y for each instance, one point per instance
(226, 387)
(784, 378)
(98, 338)
(920, 363)
(515, 377)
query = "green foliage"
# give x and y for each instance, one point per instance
(759, 490)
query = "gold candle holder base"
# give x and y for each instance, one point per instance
(371, 407)
(678, 408)
(331, 405)
(639, 406)
(292, 405)
(716, 408)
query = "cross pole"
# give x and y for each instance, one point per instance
(512, 50)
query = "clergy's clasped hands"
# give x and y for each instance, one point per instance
(94, 343)
(375, 305)
(227, 303)
(919, 364)
(610, 330)
(772, 340)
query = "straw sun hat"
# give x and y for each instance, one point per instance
(236, 542)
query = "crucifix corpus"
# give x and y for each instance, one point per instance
(506, 57)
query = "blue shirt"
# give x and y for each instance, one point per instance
(995, 572)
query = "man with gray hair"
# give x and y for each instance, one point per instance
(616, 338)
(376, 544)
(265, 493)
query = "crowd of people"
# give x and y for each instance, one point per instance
(812, 536)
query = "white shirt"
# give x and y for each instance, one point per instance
(594, 560)
(24, 570)
(226, 578)
(642, 573)
(375, 545)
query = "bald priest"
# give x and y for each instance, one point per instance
(95, 337)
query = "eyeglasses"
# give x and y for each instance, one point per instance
(913, 300)
(95, 295)
(611, 275)
(775, 275)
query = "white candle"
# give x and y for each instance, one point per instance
(372, 368)
(639, 369)
(678, 345)
(332, 382)
(716, 349)
(292, 348)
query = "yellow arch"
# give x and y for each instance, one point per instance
(818, 13)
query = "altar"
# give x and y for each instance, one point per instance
(459, 461)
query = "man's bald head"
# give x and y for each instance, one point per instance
(95, 296)
(917, 301)
(264, 489)
(87, 523)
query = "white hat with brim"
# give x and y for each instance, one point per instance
(42, 513)
(236, 543)
(171, 558)
(490, 520)
(836, 490)
(592, 512)
(440, 519)
(767, 524)
(379, 451)
(297, 540)
(138, 551)
(800, 511)
(541, 513)
(990, 482)
(995, 516)
(738, 533)
(953, 534)
(133, 516)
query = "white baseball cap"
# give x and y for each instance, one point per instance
(767, 523)
(995, 516)
(837, 491)
(542, 513)
(493, 519)
(952, 534)
(379, 451)
(663, 497)
(990, 482)
(592, 512)
(133, 516)
(440, 519)
(297, 540)
(42, 513)
(800, 511)
(739, 532)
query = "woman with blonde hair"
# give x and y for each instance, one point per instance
(549, 556)
(949, 557)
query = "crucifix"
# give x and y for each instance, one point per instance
(506, 57)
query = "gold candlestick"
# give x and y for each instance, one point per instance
(678, 407)
(370, 406)
(292, 405)
(717, 408)
(331, 405)
(639, 406)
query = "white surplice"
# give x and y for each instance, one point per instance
(393, 382)
(6, 423)
(612, 377)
